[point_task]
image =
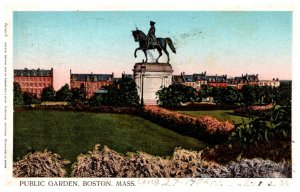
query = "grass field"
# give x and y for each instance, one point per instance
(222, 115)
(72, 133)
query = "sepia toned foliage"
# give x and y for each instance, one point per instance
(40, 164)
(184, 163)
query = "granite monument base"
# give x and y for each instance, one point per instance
(150, 77)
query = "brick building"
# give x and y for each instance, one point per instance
(33, 80)
(239, 82)
(197, 80)
(91, 82)
(271, 83)
(217, 80)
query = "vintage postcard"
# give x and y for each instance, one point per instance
(125, 96)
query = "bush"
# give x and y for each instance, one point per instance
(270, 127)
(173, 95)
(40, 164)
(18, 97)
(184, 163)
(122, 93)
(254, 109)
(109, 163)
(204, 127)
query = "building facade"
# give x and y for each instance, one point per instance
(197, 80)
(217, 81)
(92, 83)
(271, 83)
(33, 80)
(239, 82)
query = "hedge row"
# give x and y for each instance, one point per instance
(254, 109)
(203, 127)
(81, 107)
(193, 106)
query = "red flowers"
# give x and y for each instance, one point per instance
(254, 108)
(201, 126)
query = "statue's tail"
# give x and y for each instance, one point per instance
(170, 43)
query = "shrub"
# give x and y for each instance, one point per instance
(270, 126)
(254, 109)
(203, 127)
(40, 164)
(173, 95)
(18, 97)
(183, 163)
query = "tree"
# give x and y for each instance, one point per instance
(18, 97)
(121, 93)
(96, 100)
(173, 95)
(284, 97)
(230, 95)
(269, 94)
(64, 93)
(249, 96)
(30, 98)
(216, 93)
(78, 94)
(48, 94)
(206, 91)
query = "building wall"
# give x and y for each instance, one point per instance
(216, 84)
(34, 84)
(269, 83)
(90, 86)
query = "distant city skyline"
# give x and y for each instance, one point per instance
(231, 43)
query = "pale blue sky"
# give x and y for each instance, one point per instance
(101, 42)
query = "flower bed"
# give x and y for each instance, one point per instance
(254, 109)
(203, 127)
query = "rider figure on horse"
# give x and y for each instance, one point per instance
(151, 34)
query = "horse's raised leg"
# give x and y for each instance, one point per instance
(145, 55)
(160, 54)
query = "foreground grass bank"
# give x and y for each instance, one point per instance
(72, 133)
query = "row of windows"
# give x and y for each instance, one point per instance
(42, 79)
(34, 91)
(34, 84)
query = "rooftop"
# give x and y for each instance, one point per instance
(33, 72)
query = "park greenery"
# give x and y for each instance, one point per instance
(258, 124)
(176, 94)
(121, 93)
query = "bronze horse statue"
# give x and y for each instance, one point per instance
(146, 44)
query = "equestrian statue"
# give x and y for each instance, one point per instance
(147, 42)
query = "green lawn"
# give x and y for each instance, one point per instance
(222, 115)
(72, 133)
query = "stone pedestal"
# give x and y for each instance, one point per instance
(154, 76)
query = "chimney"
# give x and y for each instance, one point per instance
(112, 74)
